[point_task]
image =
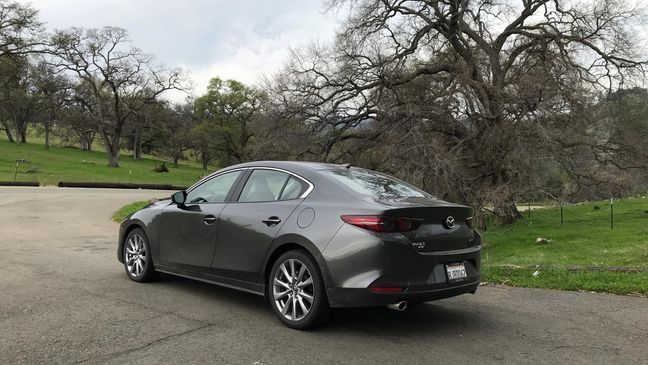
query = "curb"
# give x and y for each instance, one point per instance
(102, 185)
(19, 183)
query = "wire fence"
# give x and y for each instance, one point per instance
(527, 210)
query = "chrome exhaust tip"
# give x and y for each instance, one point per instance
(398, 306)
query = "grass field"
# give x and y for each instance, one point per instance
(582, 252)
(70, 164)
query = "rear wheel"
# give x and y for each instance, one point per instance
(296, 290)
(137, 257)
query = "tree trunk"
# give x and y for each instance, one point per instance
(21, 133)
(175, 160)
(113, 158)
(112, 147)
(7, 131)
(83, 141)
(137, 147)
(21, 129)
(22, 136)
(204, 158)
(508, 212)
(87, 137)
(47, 136)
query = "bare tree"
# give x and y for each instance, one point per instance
(122, 79)
(52, 93)
(19, 34)
(489, 82)
(20, 30)
(175, 131)
(13, 69)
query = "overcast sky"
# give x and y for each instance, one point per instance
(234, 39)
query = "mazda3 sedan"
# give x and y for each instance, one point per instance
(307, 236)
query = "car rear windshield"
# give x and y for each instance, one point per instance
(375, 184)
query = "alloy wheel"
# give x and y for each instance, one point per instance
(135, 255)
(293, 289)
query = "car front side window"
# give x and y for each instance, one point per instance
(214, 190)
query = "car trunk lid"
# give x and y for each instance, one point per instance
(443, 225)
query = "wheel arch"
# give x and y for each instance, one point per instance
(291, 242)
(128, 228)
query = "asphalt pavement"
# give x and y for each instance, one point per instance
(64, 298)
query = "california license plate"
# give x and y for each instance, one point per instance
(456, 272)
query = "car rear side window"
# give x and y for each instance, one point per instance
(294, 189)
(263, 186)
(270, 185)
(375, 184)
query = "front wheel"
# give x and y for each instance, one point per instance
(137, 257)
(297, 292)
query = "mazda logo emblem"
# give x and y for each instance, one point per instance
(449, 222)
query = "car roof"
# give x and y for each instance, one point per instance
(301, 168)
(315, 166)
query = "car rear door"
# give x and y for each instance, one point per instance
(188, 231)
(249, 223)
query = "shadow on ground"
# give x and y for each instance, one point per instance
(438, 318)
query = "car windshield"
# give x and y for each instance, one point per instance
(375, 184)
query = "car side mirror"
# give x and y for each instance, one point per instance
(179, 197)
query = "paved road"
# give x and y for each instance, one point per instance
(64, 298)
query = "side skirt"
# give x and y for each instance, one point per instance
(253, 288)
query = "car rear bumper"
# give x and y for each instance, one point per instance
(388, 262)
(362, 297)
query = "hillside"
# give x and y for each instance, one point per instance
(71, 164)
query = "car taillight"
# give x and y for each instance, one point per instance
(469, 222)
(381, 223)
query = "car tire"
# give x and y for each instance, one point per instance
(138, 261)
(305, 290)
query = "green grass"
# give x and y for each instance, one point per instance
(70, 164)
(126, 210)
(558, 278)
(585, 240)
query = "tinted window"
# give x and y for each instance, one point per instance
(263, 186)
(374, 184)
(213, 190)
(293, 189)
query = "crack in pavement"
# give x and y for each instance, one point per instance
(204, 324)
(161, 312)
(118, 353)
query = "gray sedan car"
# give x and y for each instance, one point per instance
(307, 236)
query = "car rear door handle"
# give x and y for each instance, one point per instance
(271, 221)
(209, 219)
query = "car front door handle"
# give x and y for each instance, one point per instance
(209, 219)
(271, 221)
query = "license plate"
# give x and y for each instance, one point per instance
(456, 272)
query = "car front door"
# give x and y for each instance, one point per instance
(188, 231)
(249, 223)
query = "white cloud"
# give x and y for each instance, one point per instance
(240, 40)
